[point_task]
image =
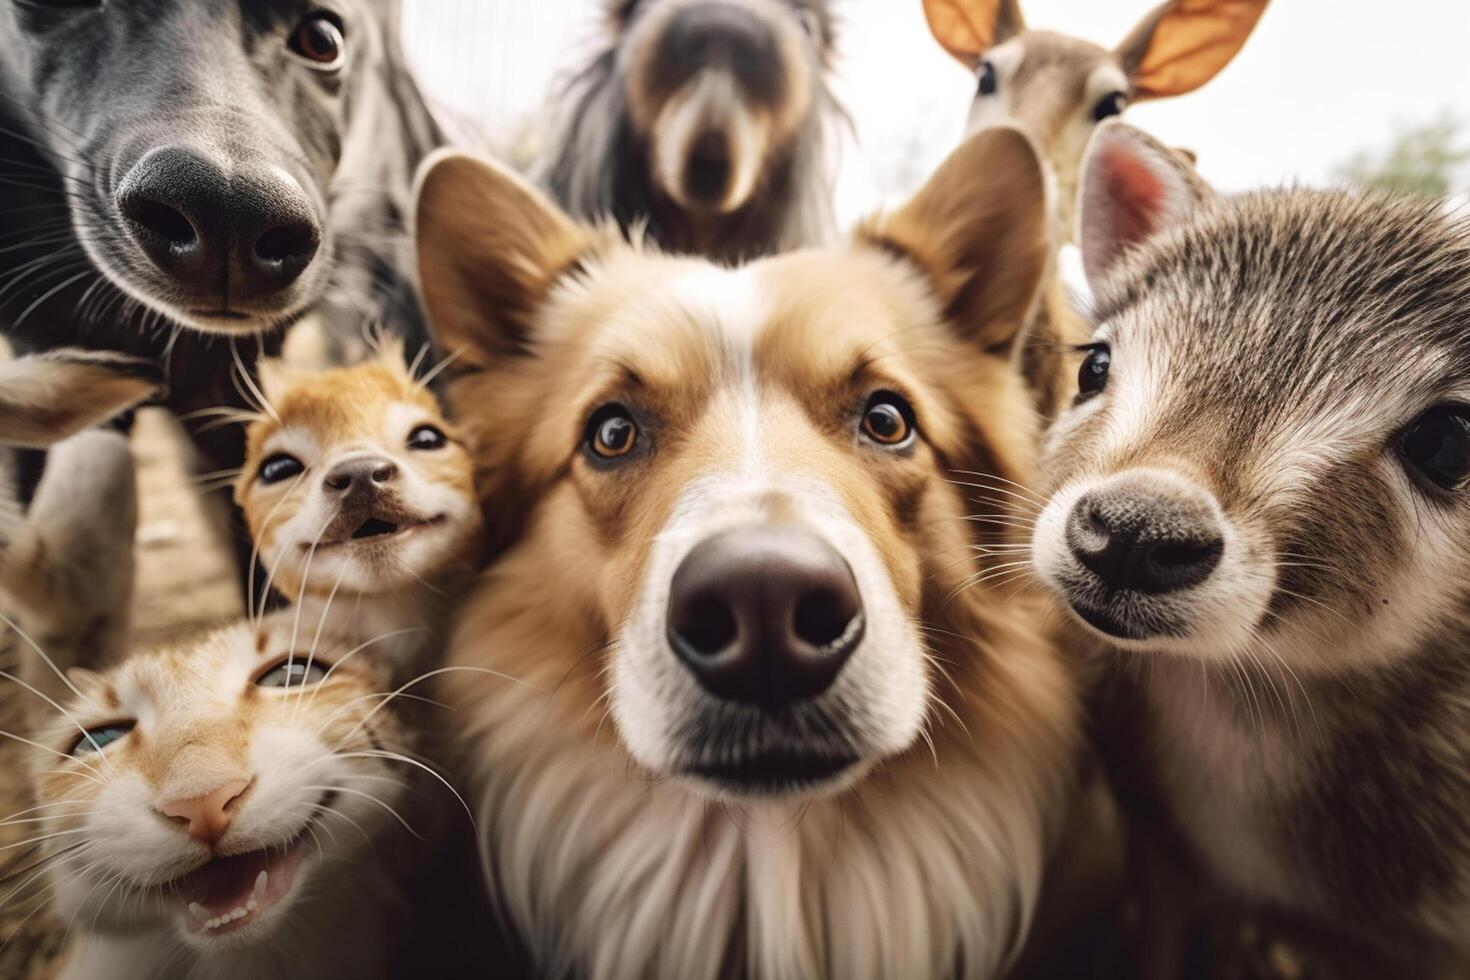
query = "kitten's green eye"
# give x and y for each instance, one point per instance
(100, 738)
(293, 672)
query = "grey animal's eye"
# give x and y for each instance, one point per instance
(293, 672)
(1092, 377)
(989, 83)
(319, 40)
(1436, 446)
(97, 739)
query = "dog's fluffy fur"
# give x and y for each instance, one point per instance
(924, 858)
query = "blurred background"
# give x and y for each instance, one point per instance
(1324, 91)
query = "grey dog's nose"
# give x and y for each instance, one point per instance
(225, 239)
(360, 476)
(1134, 540)
(764, 615)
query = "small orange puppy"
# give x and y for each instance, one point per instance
(360, 500)
(764, 523)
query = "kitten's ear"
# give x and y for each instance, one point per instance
(83, 679)
(1133, 188)
(979, 231)
(490, 248)
(276, 377)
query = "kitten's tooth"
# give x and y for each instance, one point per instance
(260, 883)
(197, 910)
(252, 905)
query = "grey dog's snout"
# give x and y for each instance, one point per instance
(224, 238)
(1139, 538)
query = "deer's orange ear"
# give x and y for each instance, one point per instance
(968, 28)
(1185, 43)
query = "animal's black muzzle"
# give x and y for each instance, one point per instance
(228, 241)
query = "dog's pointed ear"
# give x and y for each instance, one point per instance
(1133, 188)
(979, 231)
(969, 28)
(47, 397)
(490, 248)
(1182, 44)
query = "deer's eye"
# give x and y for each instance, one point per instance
(989, 83)
(1436, 446)
(318, 39)
(1111, 104)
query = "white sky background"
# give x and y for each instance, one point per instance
(1318, 80)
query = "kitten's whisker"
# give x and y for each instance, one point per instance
(66, 714)
(397, 757)
(355, 651)
(368, 796)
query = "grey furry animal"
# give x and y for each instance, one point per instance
(707, 123)
(1260, 502)
(180, 176)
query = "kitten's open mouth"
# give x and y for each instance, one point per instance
(229, 893)
(379, 530)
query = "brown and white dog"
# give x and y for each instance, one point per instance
(747, 531)
(707, 123)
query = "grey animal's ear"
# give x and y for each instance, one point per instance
(1133, 188)
(47, 397)
(490, 249)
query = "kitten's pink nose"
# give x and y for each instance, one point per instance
(207, 816)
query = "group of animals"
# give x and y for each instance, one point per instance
(805, 606)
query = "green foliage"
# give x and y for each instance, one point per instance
(1428, 159)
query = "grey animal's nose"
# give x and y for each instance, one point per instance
(360, 476)
(764, 615)
(225, 239)
(1138, 541)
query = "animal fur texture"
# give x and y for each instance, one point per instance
(921, 854)
(1295, 720)
(706, 125)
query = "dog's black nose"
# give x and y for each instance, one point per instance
(721, 35)
(764, 615)
(226, 238)
(1144, 543)
(360, 476)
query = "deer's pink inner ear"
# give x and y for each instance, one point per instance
(1137, 196)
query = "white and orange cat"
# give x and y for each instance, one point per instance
(220, 810)
(360, 497)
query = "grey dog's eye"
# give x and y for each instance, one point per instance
(319, 40)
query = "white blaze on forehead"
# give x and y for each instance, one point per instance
(734, 305)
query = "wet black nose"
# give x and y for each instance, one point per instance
(359, 476)
(721, 34)
(764, 615)
(1144, 543)
(707, 171)
(226, 239)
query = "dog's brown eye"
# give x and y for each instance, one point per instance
(426, 437)
(319, 40)
(614, 436)
(888, 420)
(281, 466)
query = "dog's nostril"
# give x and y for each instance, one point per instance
(286, 243)
(1182, 554)
(708, 627)
(822, 618)
(159, 219)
